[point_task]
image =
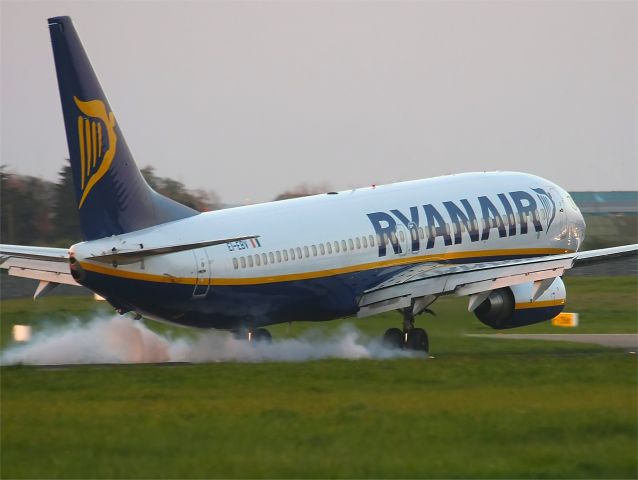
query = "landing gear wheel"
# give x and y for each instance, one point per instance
(418, 340)
(261, 335)
(393, 338)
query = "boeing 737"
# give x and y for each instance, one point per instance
(502, 239)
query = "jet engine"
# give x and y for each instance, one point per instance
(522, 304)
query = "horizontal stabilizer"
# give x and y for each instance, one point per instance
(122, 257)
(48, 265)
(35, 253)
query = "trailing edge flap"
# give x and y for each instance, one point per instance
(132, 256)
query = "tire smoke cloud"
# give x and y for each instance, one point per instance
(124, 340)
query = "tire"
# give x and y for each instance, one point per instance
(262, 335)
(418, 340)
(393, 338)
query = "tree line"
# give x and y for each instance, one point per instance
(34, 211)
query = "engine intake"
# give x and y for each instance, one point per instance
(515, 306)
(497, 308)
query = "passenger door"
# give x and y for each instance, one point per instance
(202, 267)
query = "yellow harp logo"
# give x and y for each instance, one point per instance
(96, 133)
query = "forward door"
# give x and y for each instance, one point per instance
(202, 267)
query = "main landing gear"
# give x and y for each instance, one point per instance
(410, 338)
(254, 335)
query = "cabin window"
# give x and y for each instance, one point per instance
(358, 243)
(250, 261)
(329, 247)
(298, 252)
(371, 237)
(474, 224)
(386, 239)
(379, 239)
(421, 233)
(278, 254)
(350, 244)
(242, 260)
(314, 250)
(258, 260)
(344, 247)
(264, 257)
(364, 242)
(415, 235)
(322, 249)
(337, 246)
(306, 252)
(447, 228)
(271, 257)
(235, 263)
(292, 254)
(401, 235)
(393, 238)
(285, 254)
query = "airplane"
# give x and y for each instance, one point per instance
(503, 239)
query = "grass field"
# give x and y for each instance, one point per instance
(481, 408)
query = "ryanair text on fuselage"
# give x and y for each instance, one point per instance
(520, 204)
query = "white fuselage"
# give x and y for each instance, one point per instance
(357, 236)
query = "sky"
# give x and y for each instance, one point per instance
(250, 99)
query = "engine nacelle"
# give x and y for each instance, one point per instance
(512, 307)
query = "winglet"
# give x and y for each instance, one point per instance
(44, 288)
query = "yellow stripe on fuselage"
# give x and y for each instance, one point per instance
(118, 272)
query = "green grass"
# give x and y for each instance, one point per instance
(481, 408)
(537, 415)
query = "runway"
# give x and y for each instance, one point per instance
(615, 340)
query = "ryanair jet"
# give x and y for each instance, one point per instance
(502, 239)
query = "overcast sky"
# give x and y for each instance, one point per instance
(249, 99)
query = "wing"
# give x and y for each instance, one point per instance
(424, 282)
(48, 265)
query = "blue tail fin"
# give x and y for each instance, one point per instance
(112, 195)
